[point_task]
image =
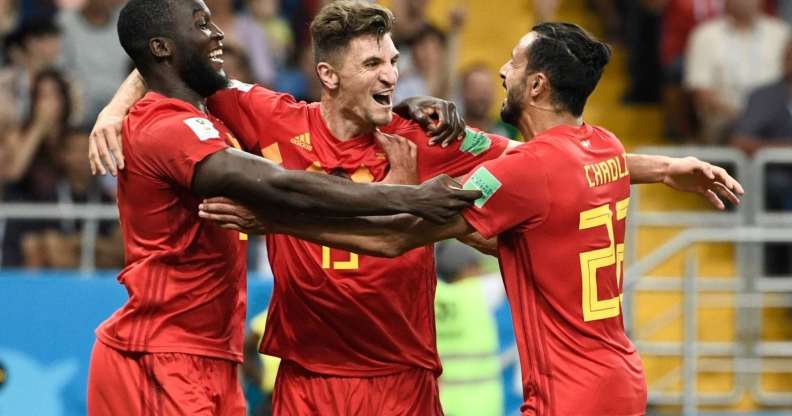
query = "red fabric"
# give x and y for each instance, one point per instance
(299, 392)
(546, 250)
(185, 277)
(128, 383)
(334, 312)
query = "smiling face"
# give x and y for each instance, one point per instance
(199, 50)
(367, 78)
(514, 76)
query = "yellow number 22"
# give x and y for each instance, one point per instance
(594, 308)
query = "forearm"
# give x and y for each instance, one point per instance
(388, 236)
(647, 168)
(131, 90)
(258, 183)
(477, 241)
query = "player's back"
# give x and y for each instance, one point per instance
(564, 277)
(185, 277)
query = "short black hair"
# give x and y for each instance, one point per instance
(141, 20)
(572, 59)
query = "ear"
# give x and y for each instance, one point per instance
(327, 75)
(538, 85)
(161, 47)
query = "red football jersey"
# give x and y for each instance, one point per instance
(185, 277)
(558, 204)
(335, 312)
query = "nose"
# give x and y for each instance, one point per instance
(389, 75)
(502, 71)
(217, 33)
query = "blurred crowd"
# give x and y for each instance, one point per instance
(721, 70)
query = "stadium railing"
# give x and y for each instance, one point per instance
(748, 226)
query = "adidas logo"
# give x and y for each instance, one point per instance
(303, 140)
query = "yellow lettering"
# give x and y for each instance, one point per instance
(605, 172)
(597, 174)
(626, 171)
(614, 169)
(587, 168)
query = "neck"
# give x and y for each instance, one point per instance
(166, 83)
(341, 122)
(536, 119)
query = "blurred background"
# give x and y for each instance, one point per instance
(708, 295)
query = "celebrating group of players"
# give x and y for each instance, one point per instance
(351, 315)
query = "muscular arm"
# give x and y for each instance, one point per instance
(687, 175)
(257, 182)
(389, 236)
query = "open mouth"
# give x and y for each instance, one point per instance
(383, 98)
(216, 56)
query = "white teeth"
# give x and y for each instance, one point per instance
(216, 53)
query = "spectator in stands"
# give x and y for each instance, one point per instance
(237, 65)
(59, 247)
(765, 122)
(411, 18)
(8, 19)
(279, 35)
(38, 138)
(33, 46)
(92, 54)
(467, 333)
(679, 18)
(426, 72)
(244, 32)
(31, 170)
(728, 57)
(478, 97)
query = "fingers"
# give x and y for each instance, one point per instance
(723, 177)
(441, 129)
(419, 116)
(468, 195)
(114, 143)
(724, 192)
(713, 199)
(222, 208)
(93, 157)
(221, 218)
(453, 127)
(219, 200)
(105, 160)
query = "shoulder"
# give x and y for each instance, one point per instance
(406, 128)
(158, 118)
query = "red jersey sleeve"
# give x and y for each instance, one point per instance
(461, 156)
(249, 110)
(515, 193)
(173, 148)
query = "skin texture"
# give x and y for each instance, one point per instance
(529, 106)
(254, 180)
